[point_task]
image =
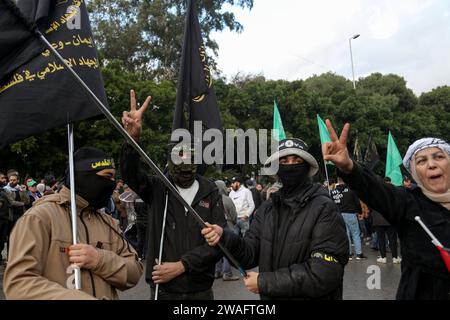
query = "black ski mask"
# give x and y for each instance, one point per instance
(95, 189)
(183, 174)
(293, 175)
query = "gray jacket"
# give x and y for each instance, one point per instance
(228, 205)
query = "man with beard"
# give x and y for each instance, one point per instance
(297, 239)
(243, 201)
(186, 270)
(42, 255)
(7, 203)
(16, 193)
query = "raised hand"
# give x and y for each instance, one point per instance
(336, 150)
(132, 120)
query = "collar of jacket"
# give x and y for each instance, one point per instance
(298, 198)
(65, 199)
(205, 188)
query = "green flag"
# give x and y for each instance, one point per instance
(393, 162)
(277, 124)
(323, 131)
(324, 134)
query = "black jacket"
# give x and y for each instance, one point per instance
(183, 239)
(424, 275)
(300, 245)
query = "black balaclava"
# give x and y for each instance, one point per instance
(95, 189)
(293, 175)
(183, 174)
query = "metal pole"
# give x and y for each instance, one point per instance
(351, 58)
(435, 241)
(326, 174)
(73, 203)
(139, 150)
(161, 242)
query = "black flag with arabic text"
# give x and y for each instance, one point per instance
(195, 93)
(36, 93)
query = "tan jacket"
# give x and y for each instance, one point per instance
(38, 262)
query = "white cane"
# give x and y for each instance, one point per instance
(161, 242)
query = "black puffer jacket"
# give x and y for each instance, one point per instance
(424, 275)
(299, 243)
(183, 239)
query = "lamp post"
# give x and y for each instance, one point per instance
(351, 57)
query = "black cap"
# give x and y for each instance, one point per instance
(237, 179)
(92, 159)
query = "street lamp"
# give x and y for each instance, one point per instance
(351, 57)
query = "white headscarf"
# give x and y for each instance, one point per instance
(410, 163)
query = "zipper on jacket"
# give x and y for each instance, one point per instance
(88, 242)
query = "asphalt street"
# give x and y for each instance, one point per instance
(358, 274)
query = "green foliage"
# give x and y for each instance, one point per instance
(380, 104)
(147, 35)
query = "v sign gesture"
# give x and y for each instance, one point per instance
(132, 120)
(336, 150)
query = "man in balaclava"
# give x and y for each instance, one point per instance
(42, 258)
(297, 239)
(94, 176)
(186, 270)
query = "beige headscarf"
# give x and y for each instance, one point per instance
(442, 198)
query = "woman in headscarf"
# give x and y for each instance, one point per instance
(424, 273)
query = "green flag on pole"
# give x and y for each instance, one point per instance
(324, 134)
(323, 131)
(393, 162)
(277, 124)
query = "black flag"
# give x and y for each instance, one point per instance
(195, 93)
(371, 156)
(18, 44)
(40, 94)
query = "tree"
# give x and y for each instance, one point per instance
(436, 104)
(147, 35)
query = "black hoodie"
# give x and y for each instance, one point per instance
(183, 239)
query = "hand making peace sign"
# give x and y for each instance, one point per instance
(132, 120)
(336, 150)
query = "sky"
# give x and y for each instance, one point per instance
(295, 39)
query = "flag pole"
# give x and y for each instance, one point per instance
(433, 238)
(326, 174)
(73, 204)
(161, 242)
(442, 250)
(136, 146)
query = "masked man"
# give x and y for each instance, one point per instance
(42, 255)
(297, 239)
(187, 268)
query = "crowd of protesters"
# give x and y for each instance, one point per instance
(299, 233)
